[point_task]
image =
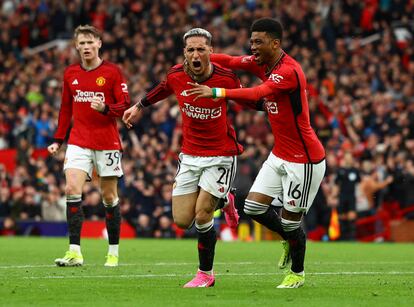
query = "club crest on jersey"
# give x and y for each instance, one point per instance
(100, 81)
(200, 112)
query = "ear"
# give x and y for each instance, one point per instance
(100, 43)
(276, 43)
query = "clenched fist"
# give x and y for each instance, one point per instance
(97, 104)
(53, 148)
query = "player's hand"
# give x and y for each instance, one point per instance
(97, 104)
(53, 148)
(131, 115)
(202, 91)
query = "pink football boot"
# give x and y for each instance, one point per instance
(201, 280)
(230, 212)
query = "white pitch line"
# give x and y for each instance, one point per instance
(5, 267)
(9, 267)
(224, 274)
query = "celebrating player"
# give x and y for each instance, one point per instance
(207, 162)
(296, 165)
(94, 95)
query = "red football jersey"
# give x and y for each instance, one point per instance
(206, 130)
(92, 129)
(284, 89)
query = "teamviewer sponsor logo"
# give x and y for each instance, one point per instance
(86, 96)
(201, 113)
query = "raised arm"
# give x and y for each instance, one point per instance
(242, 62)
(158, 93)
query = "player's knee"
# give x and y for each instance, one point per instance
(289, 225)
(72, 189)
(253, 208)
(111, 201)
(204, 216)
(182, 221)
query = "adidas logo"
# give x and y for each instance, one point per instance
(116, 168)
(75, 82)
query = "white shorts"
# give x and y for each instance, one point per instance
(297, 182)
(107, 162)
(213, 174)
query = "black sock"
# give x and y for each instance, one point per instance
(74, 214)
(271, 220)
(113, 224)
(206, 248)
(297, 243)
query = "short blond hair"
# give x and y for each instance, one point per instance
(88, 30)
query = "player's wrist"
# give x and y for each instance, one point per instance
(218, 92)
(105, 110)
(139, 105)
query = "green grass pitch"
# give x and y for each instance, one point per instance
(152, 273)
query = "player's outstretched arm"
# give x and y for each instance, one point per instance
(131, 115)
(252, 94)
(241, 62)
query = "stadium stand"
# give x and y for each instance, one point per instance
(358, 56)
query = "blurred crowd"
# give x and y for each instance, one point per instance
(358, 57)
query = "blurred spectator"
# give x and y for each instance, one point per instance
(347, 178)
(54, 205)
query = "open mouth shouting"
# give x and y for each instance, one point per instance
(257, 57)
(197, 66)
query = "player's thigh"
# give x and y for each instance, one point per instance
(300, 185)
(108, 163)
(188, 174)
(218, 175)
(205, 207)
(109, 188)
(268, 183)
(75, 179)
(80, 159)
(183, 209)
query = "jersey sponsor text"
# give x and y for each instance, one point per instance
(86, 96)
(201, 113)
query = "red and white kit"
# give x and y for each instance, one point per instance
(94, 139)
(92, 129)
(209, 147)
(297, 161)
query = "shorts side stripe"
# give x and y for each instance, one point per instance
(305, 176)
(308, 181)
(232, 172)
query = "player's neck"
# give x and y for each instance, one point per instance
(90, 65)
(276, 58)
(199, 78)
